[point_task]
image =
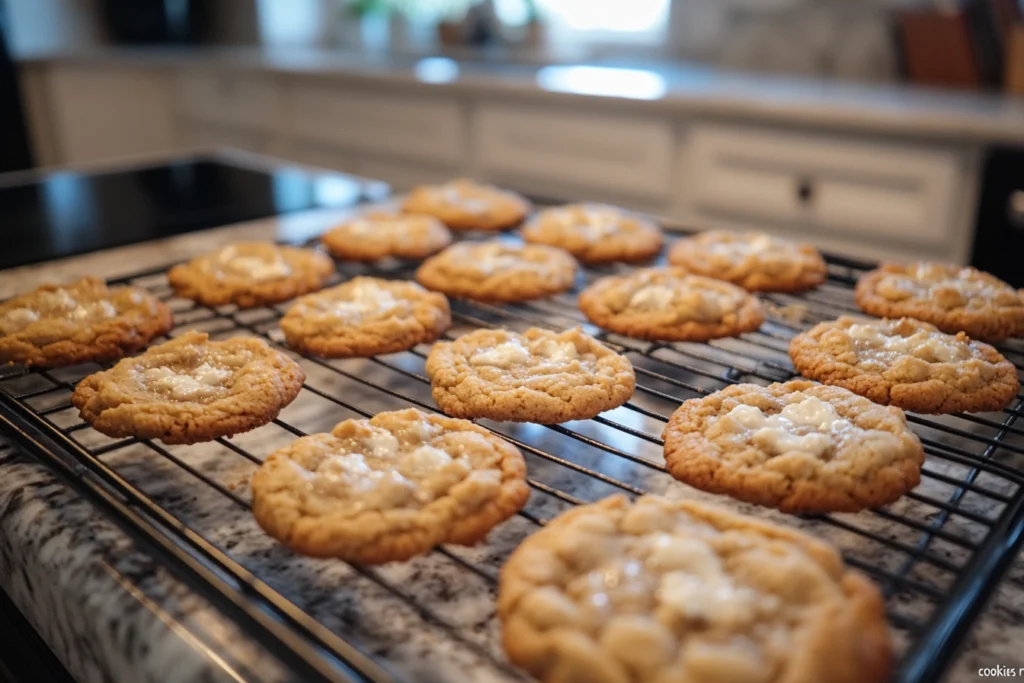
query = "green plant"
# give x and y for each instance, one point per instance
(362, 8)
(431, 10)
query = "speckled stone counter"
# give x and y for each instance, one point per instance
(113, 613)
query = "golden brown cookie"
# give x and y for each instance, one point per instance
(952, 298)
(190, 389)
(661, 591)
(85, 321)
(389, 488)
(670, 305)
(594, 233)
(540, 376)
(465, 205)
(251, 274)
(378, 234)
(801, 447)
(906, 363)
(498, 271)
(756, 261)
(365, 316)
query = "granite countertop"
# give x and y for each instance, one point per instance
(648, 86)
(111, 612)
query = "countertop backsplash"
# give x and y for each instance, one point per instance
(847, 40)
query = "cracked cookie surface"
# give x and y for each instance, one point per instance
(466, 205)
(540, 376)
(671, 305)
(594, 233)
(800, 447)
(365, 316)
(906, 363)
(379, 234)
(250, 274)
(389, 488)
(660, 591)
(58, 325)
(952, 298)
(190, 389)
(497, 271)
(755, 261)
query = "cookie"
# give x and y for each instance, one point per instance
(190, 389)
(498, 271)
(595, 234)
(801, 447)
(389, 488)
(465, 205)
(661, 591)
(953, 298)
(250, 274)
(59, 325)
(540, 376)
(379, 234)
(906, 363)
(755, 261)
(668, 304)
(364, 317)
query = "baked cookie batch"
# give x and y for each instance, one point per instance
(614, 591)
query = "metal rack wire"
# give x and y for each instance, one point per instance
(936, 554)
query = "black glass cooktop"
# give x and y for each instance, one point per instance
(66, 213)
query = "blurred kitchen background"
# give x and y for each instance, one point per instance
(875, 128)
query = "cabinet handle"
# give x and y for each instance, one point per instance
(805, 190)
(1015, 209)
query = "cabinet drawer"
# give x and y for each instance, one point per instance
(210, 135)
(413, 127)
(229, 98)
(902, 192)
(624, 155)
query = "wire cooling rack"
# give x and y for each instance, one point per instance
(936, 554)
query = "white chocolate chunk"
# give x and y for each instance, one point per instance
(263, 267)
(57, 300)
(492, 258)
(377, 471)
(503, 355)
(18, 319)
(202, 382)
(555, 351)
(361, 301)
(807, 425)
(717, 600)
(778, 441)
(878, 341)
(381, 444)
(652, 297)
(425, 459)
(810, 412)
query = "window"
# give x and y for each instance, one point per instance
(640, 21)
(630, 21)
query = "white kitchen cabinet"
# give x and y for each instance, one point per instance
(885, 191)
(848, 191)
(423, 128)
(625, 155)
(193, 134)
(228, 98)
(399, 175)
(319, 155)
(99, 113)
(402, 176)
